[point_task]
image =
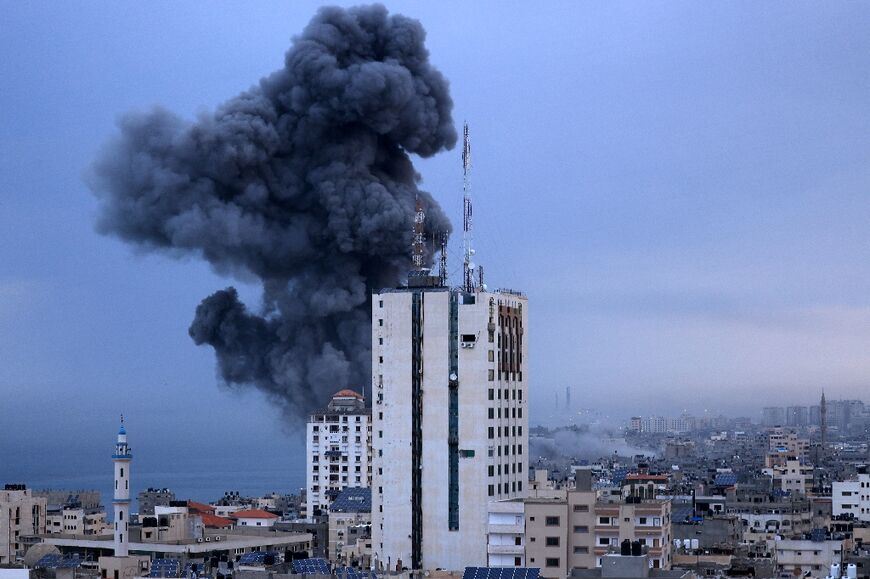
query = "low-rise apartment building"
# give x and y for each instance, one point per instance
(563, 529)
(21, 515)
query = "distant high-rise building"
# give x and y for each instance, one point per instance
(773, 416)
(338, 450)
(796, 416)
(450, 429)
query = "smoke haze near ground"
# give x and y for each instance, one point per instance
(584, 443)
(303, 182)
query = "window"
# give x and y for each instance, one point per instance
(603, 520)
(518, 561)
(491, 413)
(603, 540)
(491, 470)
(581, 508)
(491, 432)
(491, 490)
(581, 529)
(552, 562)
(552, 521)
(491, 394)
(581, 550)
(491, 355)
(380, 303)
(380, 321)
(491, 375)
(552, 541)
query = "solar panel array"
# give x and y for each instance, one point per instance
(725, 479)
(59, 562)
(501, 573)
(257, 557)
(165, 568)
(353, 500)
(351, 573)
(313, 566)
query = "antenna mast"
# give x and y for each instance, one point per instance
(442, 267)
(467, 265)
(417, 247)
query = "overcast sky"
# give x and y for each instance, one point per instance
(680, 188)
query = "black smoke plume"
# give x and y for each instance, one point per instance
(305, 182)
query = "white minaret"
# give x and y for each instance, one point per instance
(122, 458)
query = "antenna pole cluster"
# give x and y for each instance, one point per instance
(419, 235)
(467, 264)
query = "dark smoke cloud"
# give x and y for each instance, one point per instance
(305, 182)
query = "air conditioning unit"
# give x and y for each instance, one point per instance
(199, 540)
(217, 538)
(208, 539)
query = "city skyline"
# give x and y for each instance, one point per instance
(701, 240)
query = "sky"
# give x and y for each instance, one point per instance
(681, 189)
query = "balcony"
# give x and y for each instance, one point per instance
(505, 550)
(508, 529)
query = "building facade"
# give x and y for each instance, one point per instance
(21, 515)
(449, 373)
(339, 450)
(852, 497)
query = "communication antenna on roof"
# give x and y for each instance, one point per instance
(467, 264)
(442, 265)
(419, 234)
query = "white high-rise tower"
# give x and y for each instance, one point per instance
(121, 502)
(450, 420)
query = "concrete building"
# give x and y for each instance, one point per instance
(72, 519)
(450, 421)
(350, 521)
(151, 497)
(793, 477)
(796, 557)
(852, 497)
(559, 530)
(783, 441)
(338, 450)
(773, 416)
(255, 518)
(21, 515)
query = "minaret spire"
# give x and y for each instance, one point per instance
(122, 458)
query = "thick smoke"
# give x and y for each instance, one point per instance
(305, 182)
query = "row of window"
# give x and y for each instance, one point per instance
(336, 428)
(502, 393)
(505, 488)
(496, 413)
(516, 467)
(497, 431)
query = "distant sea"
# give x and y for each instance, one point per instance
(204, 477)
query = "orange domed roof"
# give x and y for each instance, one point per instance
(347, 394)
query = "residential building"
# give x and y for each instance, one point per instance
(793, 477)
(338, 450)
(255, 518)
(450, 426)
(797, 557)
(350, 520)
(852, 497)
(21, 515)
(559, 530)
(151, 497)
